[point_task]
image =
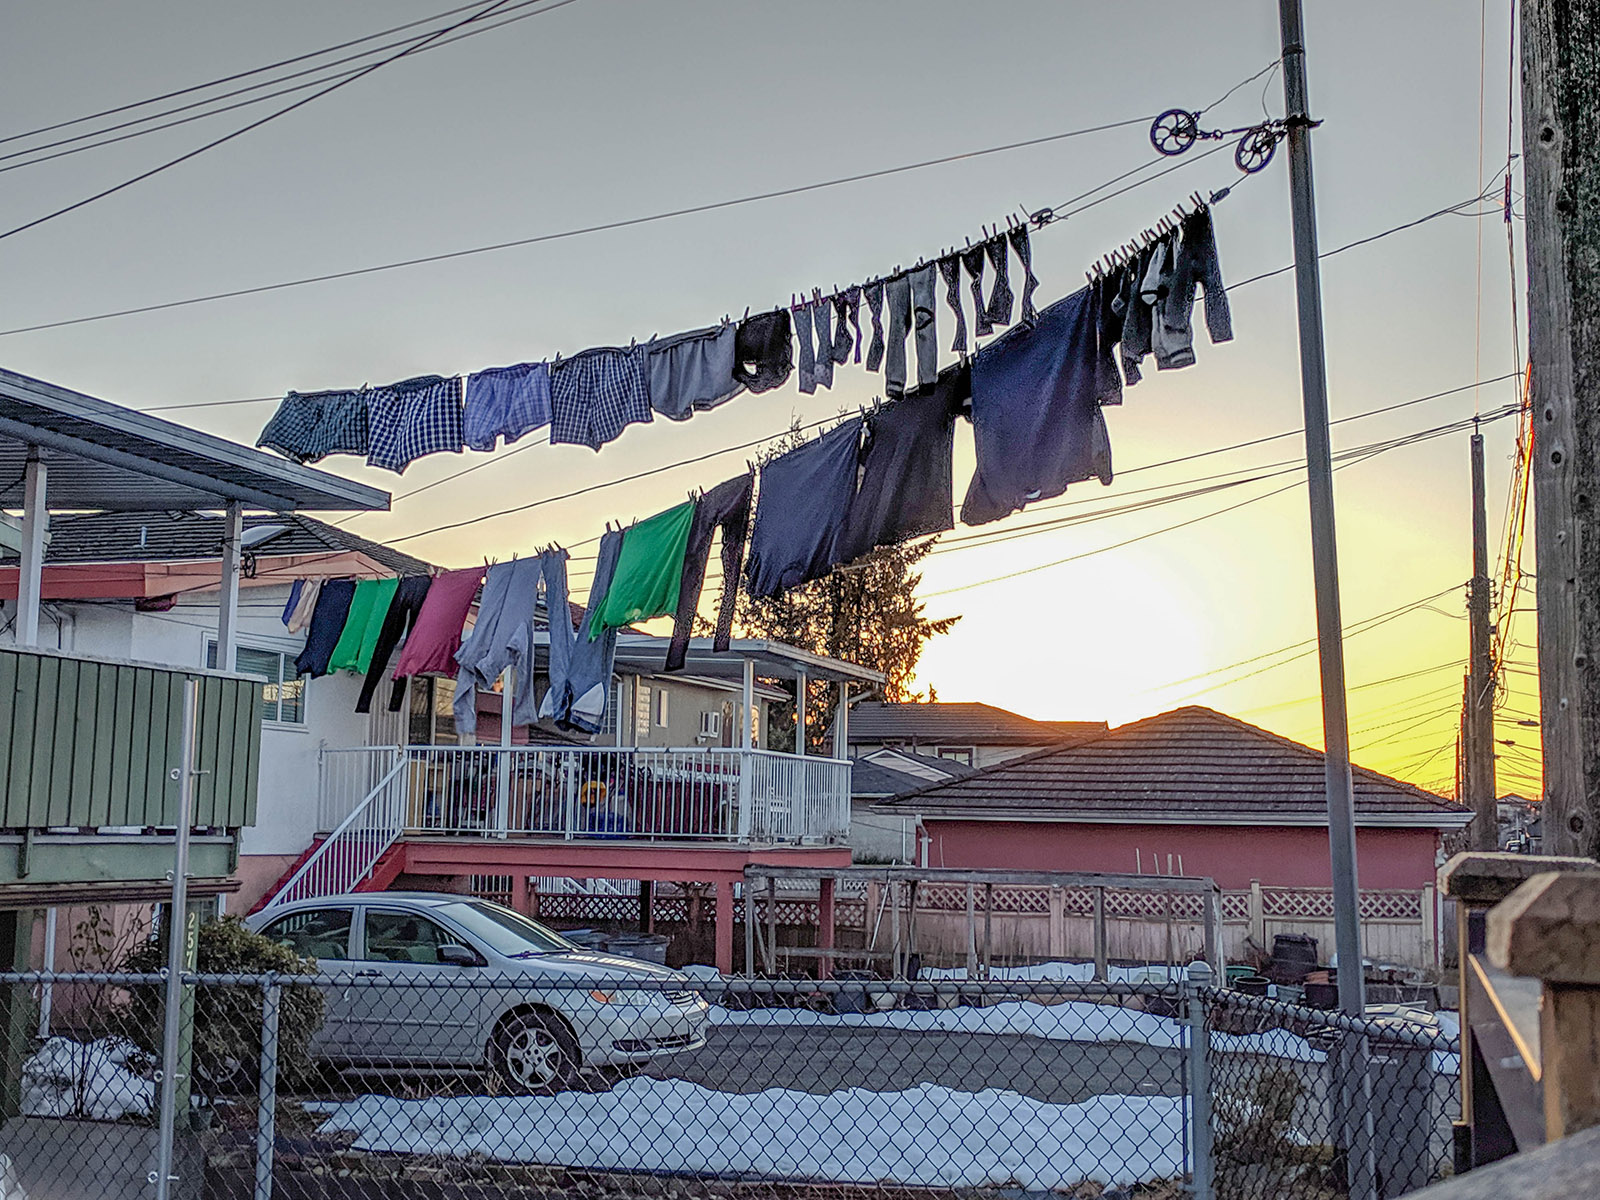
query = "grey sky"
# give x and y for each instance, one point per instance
(608, 109)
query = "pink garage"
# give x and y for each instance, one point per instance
(1191, 792)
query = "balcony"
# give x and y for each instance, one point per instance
(611, 793)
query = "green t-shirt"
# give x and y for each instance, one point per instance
(368, 607)
(649, 570)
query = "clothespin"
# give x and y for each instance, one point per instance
(746, 312)
(969, 243)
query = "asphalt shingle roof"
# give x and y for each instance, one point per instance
(869, 778)
(1189, 761)
(965, 723)
(113, 537)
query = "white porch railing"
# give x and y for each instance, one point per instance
(354, 846)
(612, 792)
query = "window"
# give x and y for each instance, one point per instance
(320, 933)
(661, 707)
(506, 932)
(711, 724)
(611, 720)
(433, 720)
(283, 695)
(401, 937)
(960, 754)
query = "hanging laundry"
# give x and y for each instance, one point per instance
(1196, 264)
(327, 623)
(367, 610)
(894, 366)
(580, 665)
(800, 514)
(873, 294)
(905, 487)
(505, 402)
(973, 259)
(1108, 327)
(846, 308)
(401, 617)
(806, 377)
(596, 394)
(1000, 297)
(649, 570)
(436, 632)
(1036, 426)
(293, 601)
(692, 372)
(304, 606)
(309, 426)
(412, 419)
(950, 269)
(1136, 316)
(924, 281)
(501, 637)
(725, 507)
(821, 311)
(764, 351)
(1017, 235)
(1172, 348)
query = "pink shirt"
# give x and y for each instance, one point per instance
(431, 648)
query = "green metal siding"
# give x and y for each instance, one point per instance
(87, 743)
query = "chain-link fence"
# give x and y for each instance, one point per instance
(443, 1081)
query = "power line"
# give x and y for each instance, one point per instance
(257, 124)
(579, 231)
(200, 87)
(82, 142)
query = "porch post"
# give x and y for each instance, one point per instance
(747, 702)
(825, 919)
(35, 520)
(841, 724)
(228, 599)
(502, 774)
(725, 925)
(800, 682)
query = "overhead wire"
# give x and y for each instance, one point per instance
(486, 11)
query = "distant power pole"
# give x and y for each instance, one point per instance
(1561, 168)
(1478, 724)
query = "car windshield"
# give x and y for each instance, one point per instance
(504, 931)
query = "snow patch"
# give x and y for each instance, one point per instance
(925, 1136)
(72, 1079)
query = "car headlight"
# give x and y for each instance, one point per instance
(602, 997)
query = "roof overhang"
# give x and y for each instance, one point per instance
(1439, 820)
(645, 654)
(101, 455)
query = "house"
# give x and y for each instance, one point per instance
(878, 775)
(93, 740)
(147, 585)
(1189, 792)
(973, 734)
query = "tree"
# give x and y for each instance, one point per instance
(866, 612)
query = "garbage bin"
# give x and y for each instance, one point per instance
(851, 999)
(1404, 1110)
(647, 947)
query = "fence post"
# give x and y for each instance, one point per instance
(1199, 1067)
(1430, 931)
(1211, 925)
(1101, 944)
(1258, 916)
(267, 1087)
(1058, 922)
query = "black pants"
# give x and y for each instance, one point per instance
(397, 622)
(727, 505)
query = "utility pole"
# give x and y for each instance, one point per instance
(1479, 718)
(1561, 171)
(1350, 1063)
(1324, 551)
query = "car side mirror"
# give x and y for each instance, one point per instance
(459, 956)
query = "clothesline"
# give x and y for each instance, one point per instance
(1034, 396)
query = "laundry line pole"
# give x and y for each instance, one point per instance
(1324, 548)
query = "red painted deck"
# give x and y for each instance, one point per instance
(720, 864)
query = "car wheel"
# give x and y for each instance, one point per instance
(534, 1052)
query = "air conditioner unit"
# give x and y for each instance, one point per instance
(711, 724)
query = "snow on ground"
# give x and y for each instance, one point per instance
(70, 1079)
(925, 1136)
(1075, 1021)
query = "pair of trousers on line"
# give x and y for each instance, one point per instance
(397, 622)
(502, 637)
(580, 668)
(911, 307)
(726, 506)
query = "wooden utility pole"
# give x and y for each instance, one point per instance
(1478, 727)
(1561, 168)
